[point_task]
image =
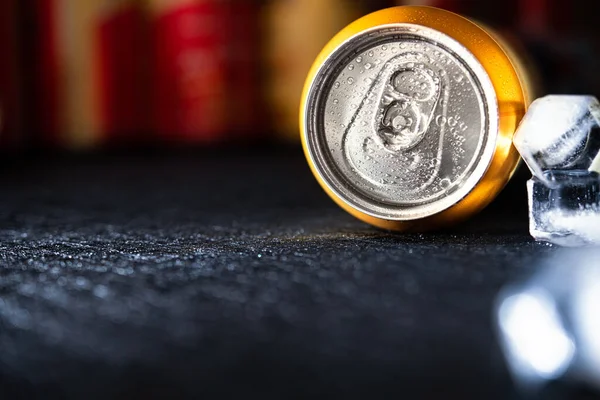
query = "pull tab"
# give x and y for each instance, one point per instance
(406, 106)
(392, 142)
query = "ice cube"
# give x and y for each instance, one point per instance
(560, 133)
(568, 212)
(559, 139)
(548, 325)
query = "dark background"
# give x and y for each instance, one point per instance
(186, 261)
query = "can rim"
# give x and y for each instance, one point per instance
(318, 156)
(511, 103)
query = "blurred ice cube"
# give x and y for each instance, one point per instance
(549, 326)
(560, 133)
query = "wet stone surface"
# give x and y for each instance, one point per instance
(235, 275)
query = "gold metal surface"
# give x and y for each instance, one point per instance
(513, 92)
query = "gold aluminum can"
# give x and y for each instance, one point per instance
(408, 115)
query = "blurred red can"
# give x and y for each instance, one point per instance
(204, 69)
(11, 111)
(123, 77)
(243, 69)
(189, 75)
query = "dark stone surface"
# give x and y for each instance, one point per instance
(234, 275)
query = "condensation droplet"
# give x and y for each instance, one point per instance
(335, 101)
(351, 67)
(371, 54)
(350, 81)
(336, 85)
(359, 60)
(368, 66)
(384, 48)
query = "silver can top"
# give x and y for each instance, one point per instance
(401, 122)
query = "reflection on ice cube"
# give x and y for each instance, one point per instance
(549, 326)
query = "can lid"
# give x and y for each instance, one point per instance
(406, 117)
